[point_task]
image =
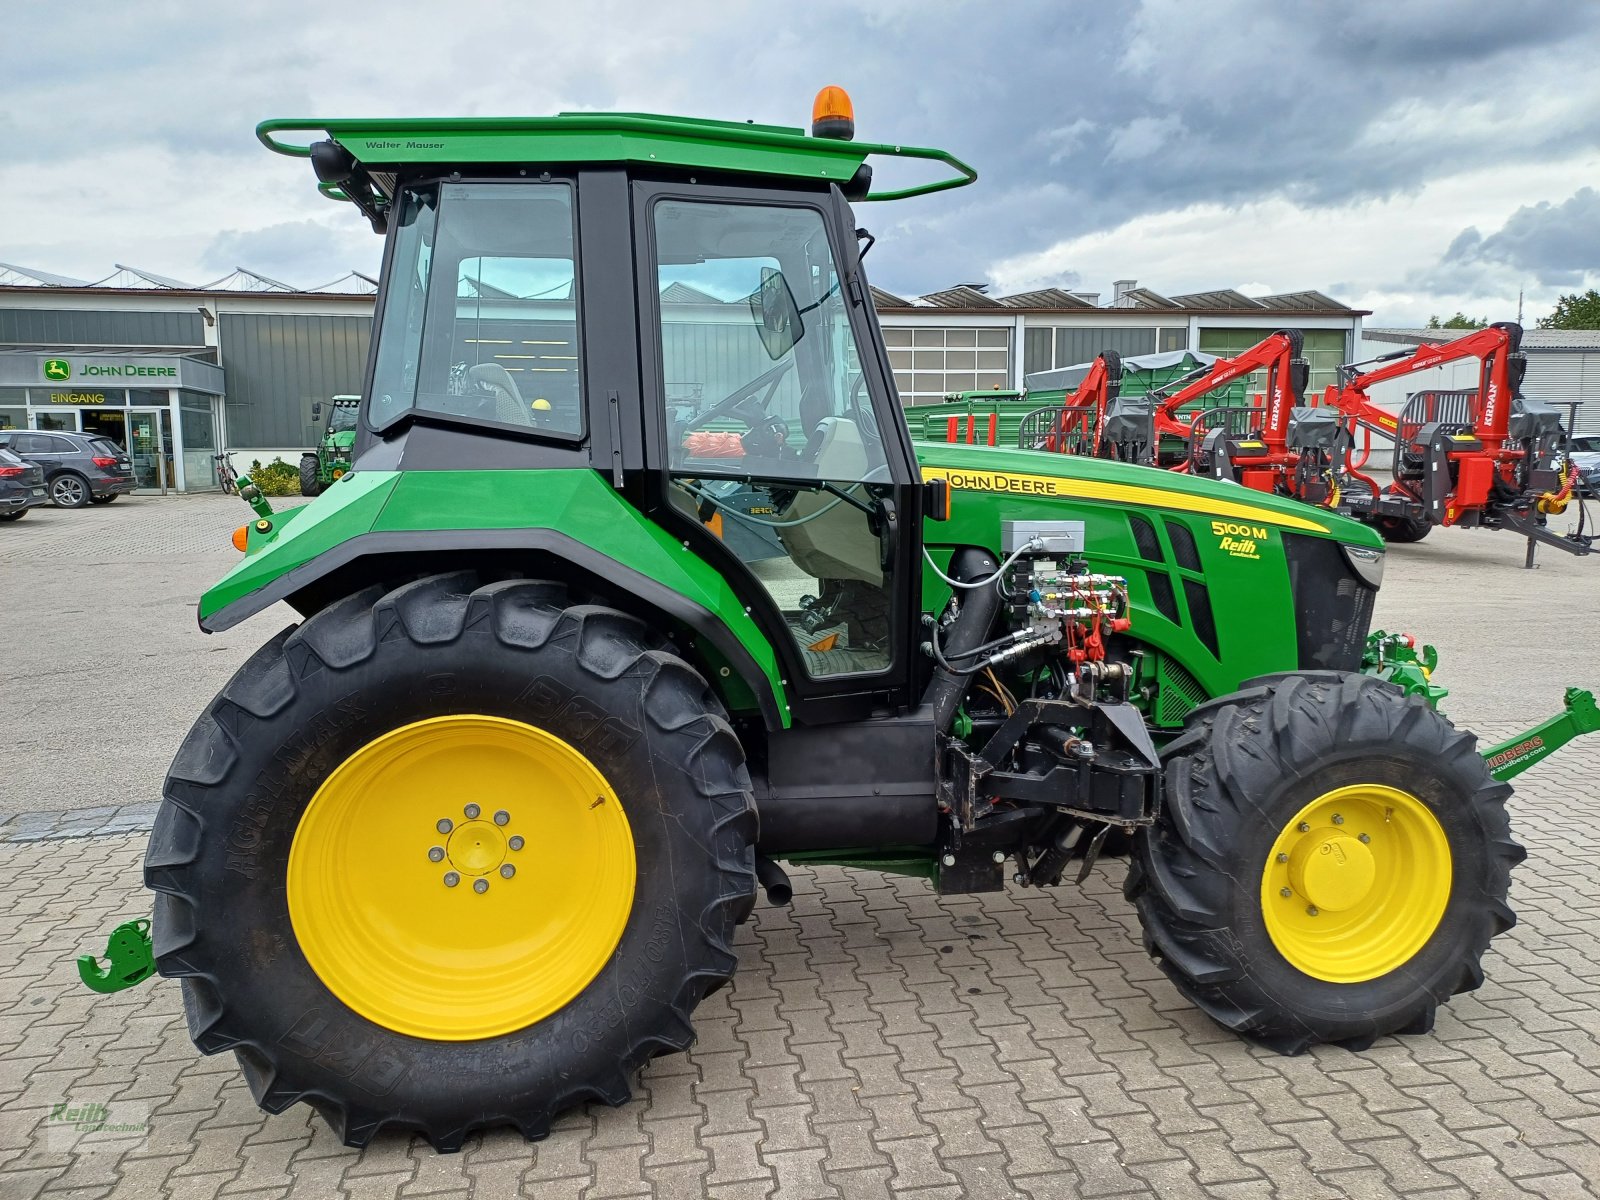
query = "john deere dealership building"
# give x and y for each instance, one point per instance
(175, 371)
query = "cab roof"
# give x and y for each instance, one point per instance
(382, 145)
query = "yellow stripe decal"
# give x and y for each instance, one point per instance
(1089, 489)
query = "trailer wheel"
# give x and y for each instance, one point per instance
(310, 485)
(455, 856)
(1403, 530)
(1330, 865)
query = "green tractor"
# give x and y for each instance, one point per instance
(330, 461)
(639, 586)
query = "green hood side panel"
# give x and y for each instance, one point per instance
(1213, 542)
(578, 504)
(342, 441)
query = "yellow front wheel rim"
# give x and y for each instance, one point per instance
(1356, 883)
(461, 877)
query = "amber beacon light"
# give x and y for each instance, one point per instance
(832, 114)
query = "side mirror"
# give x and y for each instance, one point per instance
(316, 411)
(776, 314)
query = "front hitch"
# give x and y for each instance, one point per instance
(1516, 755)
(129, 959)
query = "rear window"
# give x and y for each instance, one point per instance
(9, 459)
(105, 447)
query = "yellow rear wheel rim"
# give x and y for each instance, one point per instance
(461, 877)
(1356, 883)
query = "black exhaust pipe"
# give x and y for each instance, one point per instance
(978, 609)
(772, 878)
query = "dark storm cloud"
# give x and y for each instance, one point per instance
(1555, 244)
(1079, 116)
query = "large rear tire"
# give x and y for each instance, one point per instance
(455, 856)
(1331, 862)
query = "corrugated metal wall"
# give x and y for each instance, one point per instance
(278, 366)
(62, 327)
(706, 361)
(1074, 346)
(1565, 377)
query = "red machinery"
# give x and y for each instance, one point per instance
(1077, 425)
(1094, 419)
(1259, 432)
(1482, 457)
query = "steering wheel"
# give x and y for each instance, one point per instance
(756, 394)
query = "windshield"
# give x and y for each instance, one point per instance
(480, 314)
(342, 419)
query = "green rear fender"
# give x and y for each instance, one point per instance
(371, 519)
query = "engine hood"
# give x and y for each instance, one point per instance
(1036, 475)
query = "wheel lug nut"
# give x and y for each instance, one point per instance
(480, 886)
(1363, 838)
(451, 879)
(445, 825)
(1303, 827)
(1285, 893)
(1311, 910)
(472, 811)
(1283, 858)
(507, 871)
(516, 841)
(436, 854)
(501, 817)
(1337, 819)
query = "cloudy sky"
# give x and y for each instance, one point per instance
(1407, 156)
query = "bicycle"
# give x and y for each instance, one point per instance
(227, 477)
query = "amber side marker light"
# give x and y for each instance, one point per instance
(241, 538)
(832, 114)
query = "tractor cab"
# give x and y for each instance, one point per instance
(759, 423)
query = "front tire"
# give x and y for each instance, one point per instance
(301, 859)
(1331, 862)
(310, 485)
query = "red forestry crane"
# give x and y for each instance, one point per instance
(1487, 458)
(1077, 425)
(1252, 437)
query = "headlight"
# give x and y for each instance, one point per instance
(1365, 562)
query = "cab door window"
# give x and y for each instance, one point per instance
(771, 442)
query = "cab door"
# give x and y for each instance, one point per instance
(773, 438)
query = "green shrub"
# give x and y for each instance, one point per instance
(277, 478)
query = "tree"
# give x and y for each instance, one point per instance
(1574, 311)
(1459, 321)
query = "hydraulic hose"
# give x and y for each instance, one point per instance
(979, 606)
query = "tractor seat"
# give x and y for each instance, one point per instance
(509, 407)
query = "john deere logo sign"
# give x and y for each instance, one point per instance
(59, 370)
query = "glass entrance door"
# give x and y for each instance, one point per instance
(150, 447)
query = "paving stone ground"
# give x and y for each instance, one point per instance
(880, 1041)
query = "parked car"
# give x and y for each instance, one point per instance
(21, 486)
(79, 468)
(1585, 453)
